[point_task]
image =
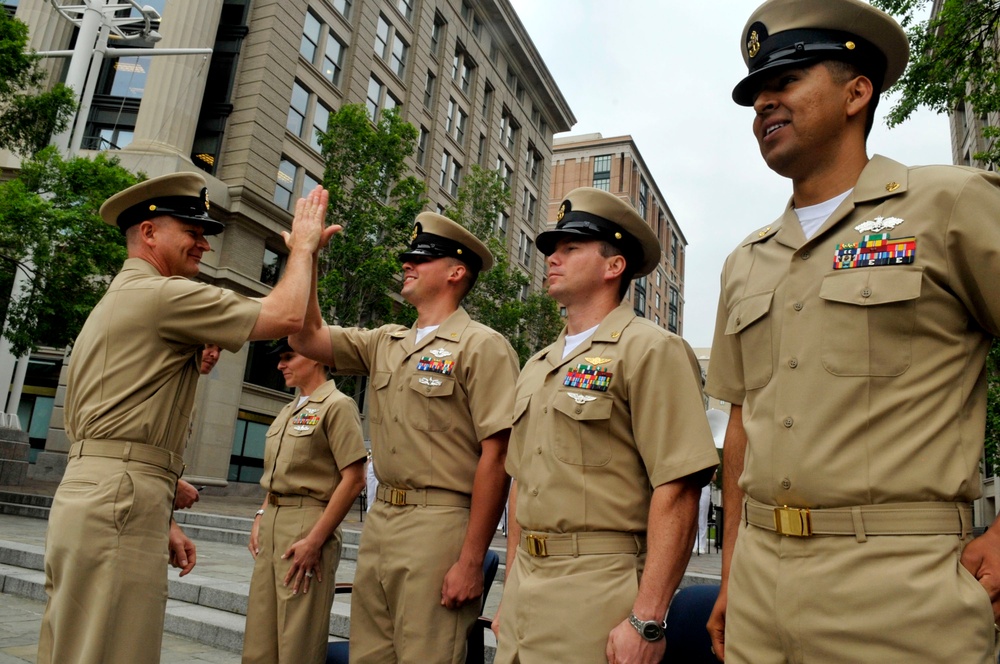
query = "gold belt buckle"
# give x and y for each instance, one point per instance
(397, 497)
(792, 521)
(536, 546)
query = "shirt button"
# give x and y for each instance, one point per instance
(392, 449)
(545, 409)
(788, 422)
(578, 410)
(797, 306)
(395, 418)
(806, 255)
(539, 450)
(867, 292)
(739, 320)
(400, 389)
(793, 363)
(427, 390)
(786, 483)
(534, 492)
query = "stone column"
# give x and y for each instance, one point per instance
(175, 85)
(48, 31)
(14, 450)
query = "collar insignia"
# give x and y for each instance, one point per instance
(878, 224)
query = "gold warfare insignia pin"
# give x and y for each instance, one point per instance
(562, 211)
(764, 232)
(615, 335)
(892, 186)
(598, 360)
(753, 46)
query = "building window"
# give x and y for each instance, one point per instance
(285, 184)
(333, 58)
(673, 307)
(481, 156)
(477, 26)
(462, 68)
(656, 318)
(511, 78)
(343, 6)
(422, 146)
(674, 242)
(297, 110)
(533, 163)
(445, 161)
(460, 123)
(525, 250)
(382, 38)
(508, 130)
(436, 33)
(602, 172)
(321, 118)
(639, 297)
(374, 99)
(528, 207)
(247, 461)
(310, 37)
(467, 12)
(503, 219)
(405, 8)
(399, 51)
(643, 197)
(270, 271)
(659, 278)
(456, 177)
(487, 101)
(524, 293)
(506, 172)
(429, 90)
(657, 301)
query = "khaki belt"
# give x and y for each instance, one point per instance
(930, 518)
(543, 545)
(426, 497)
(130, 451)
(294, 501)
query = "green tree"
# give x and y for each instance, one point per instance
(375, 201)
(496, 300)
(49, 215)
(28, 115)
(955, 59)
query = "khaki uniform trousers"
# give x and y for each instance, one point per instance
(822, 599)
(106, 561)
(396, 612)
(562, 609)
(283, 628)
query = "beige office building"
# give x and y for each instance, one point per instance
(615, 165)
(464, 72)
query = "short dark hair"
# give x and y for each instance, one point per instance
(842, 72)
(469, 280)
(609, 250)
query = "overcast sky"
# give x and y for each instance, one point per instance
(662, 71)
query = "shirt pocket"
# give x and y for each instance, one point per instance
(272, 442)
(380, 393)
(430, 409)
(868, 320)
(583, 436)
(750, 319)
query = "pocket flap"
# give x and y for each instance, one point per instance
(872, 286)
(521, 407)
(432, 385)
(748, 311)
(583, 406)
(381, 379)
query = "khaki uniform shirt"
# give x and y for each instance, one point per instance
(588, 454)
(865, 384)
(431, 403)
(134, 367)
(307, 446)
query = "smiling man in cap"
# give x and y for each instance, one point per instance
(440, 397)
(609, 450)
(851, 339)
(130, 388)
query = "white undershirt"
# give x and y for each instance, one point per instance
(574, 340)
(814, 216)
(424, 331)
(304, 398)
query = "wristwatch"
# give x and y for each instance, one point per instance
(651, 630)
